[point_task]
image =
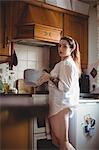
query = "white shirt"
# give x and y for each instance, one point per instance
(67, 93)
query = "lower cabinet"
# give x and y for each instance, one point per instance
(15, 132)
(21, 133)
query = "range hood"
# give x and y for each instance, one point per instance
(32, 28)
(34, 42)
(37, 34)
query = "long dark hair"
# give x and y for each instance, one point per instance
(75, 53)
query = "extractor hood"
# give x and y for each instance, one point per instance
(34, 42)
(38, 34)
(32, 29)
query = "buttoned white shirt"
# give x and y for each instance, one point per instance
(67, 92)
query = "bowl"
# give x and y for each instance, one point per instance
(31, 76)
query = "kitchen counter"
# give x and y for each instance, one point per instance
(36, 100)
(89, 98)
(29, 104)
(90, 95)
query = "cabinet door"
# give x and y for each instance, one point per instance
(15, 132)
(9, 14)
(14, 10)
(54, 57)
(4, 48)
(1, 26)
(77, 27)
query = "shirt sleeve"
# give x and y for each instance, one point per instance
(55, 71)
(66, 78)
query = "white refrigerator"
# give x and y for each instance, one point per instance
(84, 126)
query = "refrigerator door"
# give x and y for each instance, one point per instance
(84, 127)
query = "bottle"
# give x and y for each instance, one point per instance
(6, 87)
(1, 86)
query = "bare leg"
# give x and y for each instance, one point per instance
(68, 146)
(64, 131)
(59, 127)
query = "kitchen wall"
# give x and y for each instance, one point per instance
(98, 43)
(31, 57)
(92, 46)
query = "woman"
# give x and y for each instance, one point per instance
(63, 91)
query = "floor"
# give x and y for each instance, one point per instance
(44, 144)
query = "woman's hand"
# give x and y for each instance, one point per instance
(44, 78)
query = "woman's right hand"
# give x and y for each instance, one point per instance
(44, 78)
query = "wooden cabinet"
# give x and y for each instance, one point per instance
(54, 57)
(20, 12)
(13, 11)
(76, 26)
(4, 48)
(15, 132)
(27, 13)
(9, 14)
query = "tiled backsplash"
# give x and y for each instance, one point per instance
(31, 57)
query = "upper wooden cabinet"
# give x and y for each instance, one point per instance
(14, 10)
(9, 14)
(76, 26)
(4, 47)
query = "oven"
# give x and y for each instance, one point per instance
(40, 125)
(41, 133)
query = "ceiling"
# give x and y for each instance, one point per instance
(91, 2)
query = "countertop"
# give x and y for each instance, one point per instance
(89, 98)
(31, 100)
(25, 103)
